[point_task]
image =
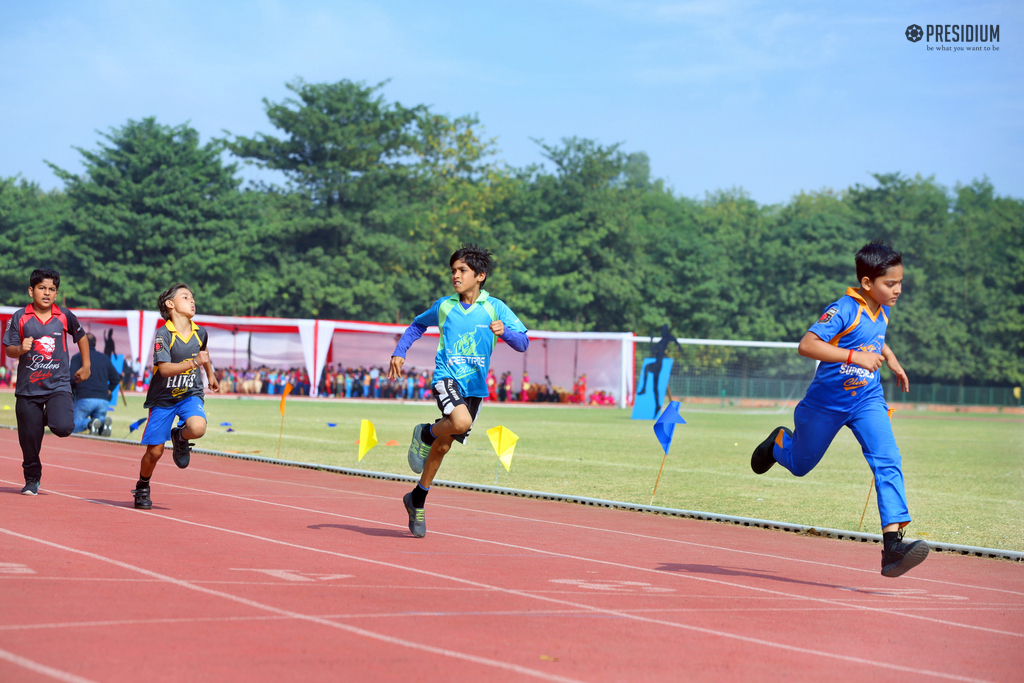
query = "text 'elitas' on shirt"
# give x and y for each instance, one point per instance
(848, 324)
(46, 368)
(169, 346)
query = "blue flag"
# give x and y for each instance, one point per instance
(332, 424)
(135, 425)
(666, 423)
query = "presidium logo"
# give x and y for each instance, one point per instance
(971, 34)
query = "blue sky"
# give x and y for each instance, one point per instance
(775, 98)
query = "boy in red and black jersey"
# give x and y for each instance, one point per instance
(36, 337)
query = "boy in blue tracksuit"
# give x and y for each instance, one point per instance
(849, 342)
(470, 322)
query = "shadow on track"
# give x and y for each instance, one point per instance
(365, 530)
(122, 504)
(754, 574)
(17, 490)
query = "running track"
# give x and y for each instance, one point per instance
(253, 572)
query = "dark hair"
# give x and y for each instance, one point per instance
(477, 258)
(40, 274)
(92, 339)
(166, 296)
(875, 258)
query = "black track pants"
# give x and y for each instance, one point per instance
(57, 411)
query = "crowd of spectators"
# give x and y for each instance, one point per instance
(337, 381)
(363, 382)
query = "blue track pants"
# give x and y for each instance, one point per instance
(870, 423)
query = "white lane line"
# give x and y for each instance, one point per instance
(659, 572)
(507, 591)
(534, 613)
(485, 661)
(42, 668)
(907, 578)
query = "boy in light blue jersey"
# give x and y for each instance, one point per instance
(470, 321)
(849, 342)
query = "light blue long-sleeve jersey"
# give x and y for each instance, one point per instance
(464, 350)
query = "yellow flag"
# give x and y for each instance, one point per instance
(1016, 394)
(367, 438)
(287, 390)
(504, 441)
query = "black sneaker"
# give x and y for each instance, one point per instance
(417, 520)
(142, 501)
(107, 429)
(31, 487)
(94, 427)
(902, 557)
(418, 451)
(763, 457)
(182, 449)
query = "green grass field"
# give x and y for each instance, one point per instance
(964, 473)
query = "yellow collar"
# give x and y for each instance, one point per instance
(170, 327)
(855, 295)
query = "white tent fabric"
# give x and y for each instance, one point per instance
(239, 342)
(324, 335)
(124, 324)
(150, 320)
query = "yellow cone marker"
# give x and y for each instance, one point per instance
(504, 441)
(367, 438)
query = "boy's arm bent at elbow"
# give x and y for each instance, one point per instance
(83, 372)
(412, 333)
(812, 346)
(519, 341)
(172, 369)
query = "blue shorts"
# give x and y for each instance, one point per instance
(161, 419)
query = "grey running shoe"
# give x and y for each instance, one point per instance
(31, 488)
(417, 520)
(94, 427)
(142, 501)
(107, 429)
(182, 449)
(902, 557)
(763, 457)
(418, 451)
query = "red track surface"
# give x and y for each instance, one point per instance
(253, 572)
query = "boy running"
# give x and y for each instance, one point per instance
(176, 389)
(470, 321)
(849, 342)
(35, 336)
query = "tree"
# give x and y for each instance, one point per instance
(155, 207)
(341, 141)
(29, 237)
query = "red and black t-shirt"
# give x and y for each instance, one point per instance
(46, 368)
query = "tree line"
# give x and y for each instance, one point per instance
(378, 195)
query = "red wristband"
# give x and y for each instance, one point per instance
(849, 358)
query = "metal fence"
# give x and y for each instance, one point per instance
(710, 371)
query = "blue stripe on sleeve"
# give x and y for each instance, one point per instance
(412, 333)
(516, 339)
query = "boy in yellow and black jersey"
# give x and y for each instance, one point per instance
(176, 390)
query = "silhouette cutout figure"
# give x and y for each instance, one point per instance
(654, 369)
(108, 343)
